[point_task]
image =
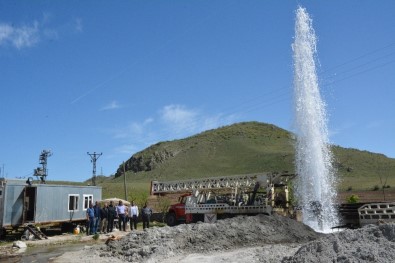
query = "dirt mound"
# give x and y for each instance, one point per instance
(368, 244)
(156, 244)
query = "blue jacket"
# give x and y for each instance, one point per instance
(90, 212)
(97, 210)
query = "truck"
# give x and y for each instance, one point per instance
(209, 199)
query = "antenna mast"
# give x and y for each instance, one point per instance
(41, 172)
(94, 156)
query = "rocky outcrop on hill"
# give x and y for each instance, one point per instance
(147, 162)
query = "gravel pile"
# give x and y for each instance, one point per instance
(368, 244)
(244, 239)
(157, 244)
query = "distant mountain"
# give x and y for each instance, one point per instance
(243, 148)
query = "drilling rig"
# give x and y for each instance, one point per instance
(209, 199)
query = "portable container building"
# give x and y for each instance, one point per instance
(39, 204)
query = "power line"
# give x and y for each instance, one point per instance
(362, 56)
(251, 104)
(276, 99)
(360, 72)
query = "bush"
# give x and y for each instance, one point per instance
(349, 188)
(376, 188)
(353, 199)
(96, 236)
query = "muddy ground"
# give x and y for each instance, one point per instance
(58, 242)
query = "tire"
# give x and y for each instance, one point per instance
(3, 233)
(171, 219)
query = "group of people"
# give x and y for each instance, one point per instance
(101, 219)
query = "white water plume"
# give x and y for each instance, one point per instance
(316, 186)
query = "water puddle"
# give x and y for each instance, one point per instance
(42, 254)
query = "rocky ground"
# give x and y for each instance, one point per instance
(241, 239)
(369, 244)
(259, 238)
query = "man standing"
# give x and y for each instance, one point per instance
(146, 212)
(112, 213)
(96, 207)
(90, 216)
(104, 218)
(134, 214)
(121, 213)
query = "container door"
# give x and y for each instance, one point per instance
(29, 208)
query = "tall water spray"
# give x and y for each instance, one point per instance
(315, 187)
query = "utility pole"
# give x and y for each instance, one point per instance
(124, 181)
(94, 156)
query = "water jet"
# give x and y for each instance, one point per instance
(316, 182)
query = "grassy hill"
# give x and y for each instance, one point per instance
(240, 149)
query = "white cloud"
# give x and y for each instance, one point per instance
(19, 37)
(176, 121)
(182, 121)
(178, 118)
(344, 127)
(136, 128)
(29, 34)
(148, 121)
(78, 25)
(111, 106)
(133, 130)
(374, 124)
(126, 149)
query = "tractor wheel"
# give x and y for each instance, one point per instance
(3, 233)
(171, 219)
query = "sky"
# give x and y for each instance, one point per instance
(115, 77)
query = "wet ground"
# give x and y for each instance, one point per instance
(40, 254)
(48, 249)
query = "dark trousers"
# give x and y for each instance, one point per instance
(122, 222)
(110, 225)
(133, 222)
(97, 224)
(90, 226)
(146, 220)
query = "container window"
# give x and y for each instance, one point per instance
(87, 200)
(73, 202)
